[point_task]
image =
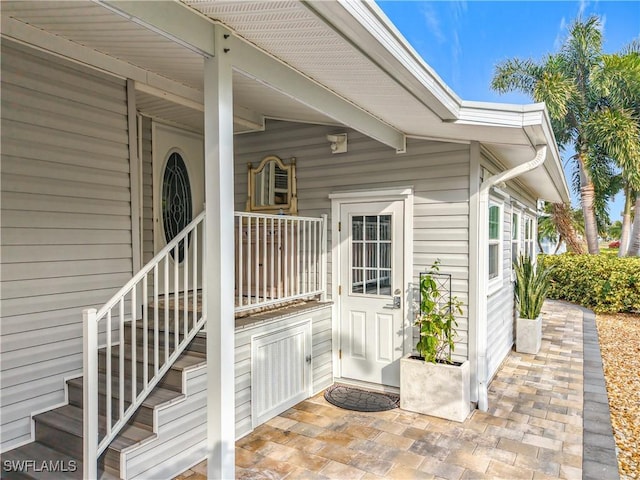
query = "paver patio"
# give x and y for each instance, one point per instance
(533, 429)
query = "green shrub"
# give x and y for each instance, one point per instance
(603, 283)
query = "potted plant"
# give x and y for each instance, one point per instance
(531, 288)
(432, 383)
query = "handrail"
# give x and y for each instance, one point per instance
(117, 322)
(149, 266)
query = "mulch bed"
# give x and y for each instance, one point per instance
(619, 336)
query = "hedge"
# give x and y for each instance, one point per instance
(603, 283)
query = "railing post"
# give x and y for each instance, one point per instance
(90, 393)
(323, 257)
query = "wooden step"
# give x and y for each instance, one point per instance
(61, 429)
(144, 416)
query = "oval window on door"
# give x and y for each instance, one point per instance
(177, 209)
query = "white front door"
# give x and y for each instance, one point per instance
(372, 298)
(178, 193)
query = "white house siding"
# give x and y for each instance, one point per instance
(66, 222)
(500, 304)
(438, 172)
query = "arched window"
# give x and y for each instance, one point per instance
(177, 209)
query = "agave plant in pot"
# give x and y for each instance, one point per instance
(531, 288)
(432, 383)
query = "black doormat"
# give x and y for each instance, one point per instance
(351, 398)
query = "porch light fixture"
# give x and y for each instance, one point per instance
(338, 142)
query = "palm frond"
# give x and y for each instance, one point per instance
(516, 75)
(617, 132)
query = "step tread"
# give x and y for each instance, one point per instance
(69, 419)
(158, 397)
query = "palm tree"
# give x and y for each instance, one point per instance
(561, 224)
(619, 76)
(582, 111)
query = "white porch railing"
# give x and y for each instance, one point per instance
(174, 285)
(279, 259)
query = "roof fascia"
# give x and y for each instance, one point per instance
(264, 68)
(369, 30)
(534, 120)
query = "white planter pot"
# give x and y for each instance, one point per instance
(528, 335)
(435, 389)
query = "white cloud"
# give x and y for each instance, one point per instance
(433, 23)
(582, 8)
(561, 35)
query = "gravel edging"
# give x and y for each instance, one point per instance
(599, 460)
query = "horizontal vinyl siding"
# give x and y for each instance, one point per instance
(66, 222)
(438, 172)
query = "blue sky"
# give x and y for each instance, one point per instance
(464, 40)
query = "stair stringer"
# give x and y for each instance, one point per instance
(181, 433)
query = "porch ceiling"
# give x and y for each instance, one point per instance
(350, 49)
(93, 26)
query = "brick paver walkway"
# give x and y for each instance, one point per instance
(533, 429)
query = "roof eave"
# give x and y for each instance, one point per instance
(370, 30)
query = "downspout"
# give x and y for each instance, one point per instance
(483, 267)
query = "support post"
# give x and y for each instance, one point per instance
(90, 394)
(323, 256)
(219, 254)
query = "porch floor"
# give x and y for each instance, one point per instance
(534, 428)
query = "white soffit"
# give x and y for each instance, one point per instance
(292, 33)
(93, 26)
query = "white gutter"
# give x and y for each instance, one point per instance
(483, 266)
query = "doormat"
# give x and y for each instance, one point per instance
(358, 400)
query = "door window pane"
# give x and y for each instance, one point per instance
(357, 283)
(372, 282)
(385, 227)
(356, 227)
(385, 255)
(371, 223)
(385, 282)
(371, 252)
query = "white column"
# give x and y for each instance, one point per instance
(219, 253)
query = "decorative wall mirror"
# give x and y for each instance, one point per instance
(272, 187)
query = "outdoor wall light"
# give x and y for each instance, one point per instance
(338, 142)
